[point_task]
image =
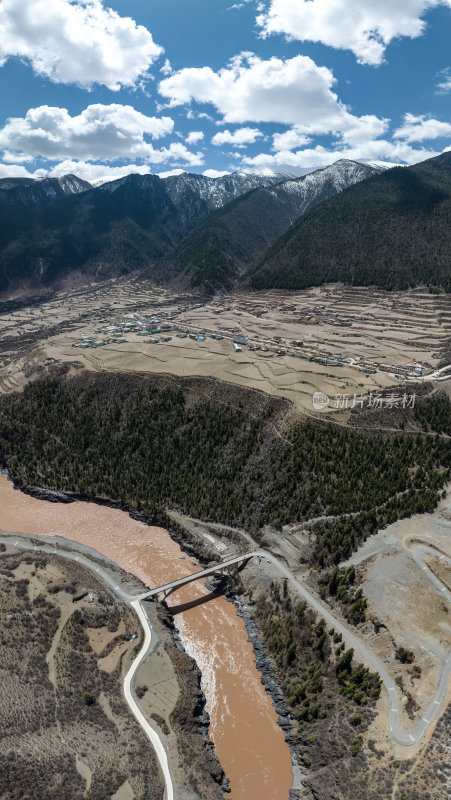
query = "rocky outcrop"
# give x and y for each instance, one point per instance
(190, 719)
(48, 494)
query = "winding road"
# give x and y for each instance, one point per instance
(402, 737)
(151, 733)
(438, 374)
(135, 603)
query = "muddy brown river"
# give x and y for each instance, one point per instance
(249, 743)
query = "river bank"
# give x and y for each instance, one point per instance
(243, 723)
(182, 721)
(66, 638)
(191, 545)
(196, 547)
(265, 666)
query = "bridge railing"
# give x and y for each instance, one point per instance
(171, 586)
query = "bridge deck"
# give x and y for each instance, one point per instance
(204, 573)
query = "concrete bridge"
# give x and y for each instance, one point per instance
(167, 588)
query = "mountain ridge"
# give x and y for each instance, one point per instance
(118, 227)
(220, 250)
(348, 222)
(391, 231)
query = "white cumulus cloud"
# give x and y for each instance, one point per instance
(100, 173)
(365, 27)
(443, 86)
(14, 171)
(420, 128)
(290, 139)
(319, 156)
(76, 41)
(294, 91)
(100, 132)
(170, 173)
(194, 137)
(178, 152)
(92, 172)
(241, 136)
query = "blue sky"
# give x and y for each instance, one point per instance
(105, 88)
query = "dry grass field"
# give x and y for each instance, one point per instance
(296, 339)
(66, 729)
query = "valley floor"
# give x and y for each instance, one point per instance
(344, 342)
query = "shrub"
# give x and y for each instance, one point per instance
(404, 656)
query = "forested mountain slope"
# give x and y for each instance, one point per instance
(212, 451)
(52, 228)
(392, 230)
(220, 250)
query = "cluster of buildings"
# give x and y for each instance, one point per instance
(161, 328)
(409, 371)
(154, 328)
(320, 314)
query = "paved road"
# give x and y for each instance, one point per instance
(418, 551)
(350, 637)
(195, 576)
(135, 603)
(400, 736)
(438, 374)
(151, 733)
(369, 658)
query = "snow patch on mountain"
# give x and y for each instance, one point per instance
(216, 192)
(33, 192)
(313, 187)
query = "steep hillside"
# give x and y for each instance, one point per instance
(197, 196)
(30, 192)
(154, 442)
(21, 197)
(111, 230)
(54, 227)
(229, 242)
(392, 231)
